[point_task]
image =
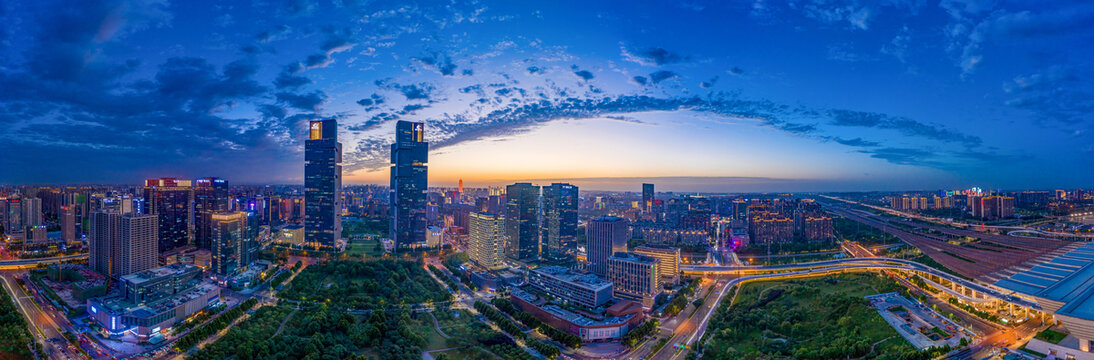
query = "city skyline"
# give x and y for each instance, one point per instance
(800, 97)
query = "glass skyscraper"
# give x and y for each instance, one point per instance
(560, 202)
(409, 156)
(210, 197)
(322, 185)
(169, 199)
(522, 221)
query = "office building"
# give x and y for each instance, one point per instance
(409, 182)
(486, 240)
(560, 203)
(581, 289)
(323, 185)
(670, 261)
(228, 237)
(635, 277)
(210, 197)
(169, 199)
(433, 236)
(122, 244)
(605, 236)
(522, 221)
(153, 300)
(647, 197)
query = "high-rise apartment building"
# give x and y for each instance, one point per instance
(32, 212)
(522, 221)
(13, 215)
(169, 199)
(68, 223)
(605, 236)
(560, 203)
(769, 227)
(122, 244)
(992, 207)
(210, 197)
(228, 238)
(635, 277)
(409, 182)
(323, 185)
(486, 240)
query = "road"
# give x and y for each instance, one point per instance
(30, 263)
(43, 326)
(957, 224)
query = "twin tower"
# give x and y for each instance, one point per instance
(323, 185)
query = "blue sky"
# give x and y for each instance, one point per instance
(703, 96)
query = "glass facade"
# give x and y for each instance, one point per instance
(409, 156)
(522, 220)
(560, 220)
(322, 185)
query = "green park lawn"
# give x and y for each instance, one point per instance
(816, 318)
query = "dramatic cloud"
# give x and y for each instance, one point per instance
(905, 126)
(652, 56)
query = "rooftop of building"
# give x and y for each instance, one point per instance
(580, 320)
(563, 274)
(1068, 278)
(163, 271)
(657, 248)
(635, 258)
(118, 303)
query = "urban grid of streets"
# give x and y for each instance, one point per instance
(682, 330)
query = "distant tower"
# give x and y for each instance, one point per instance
(461, 186)
(647, 197)
(322, 185)
(409, 181)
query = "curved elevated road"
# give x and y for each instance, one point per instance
(865, 263)
(28, 263)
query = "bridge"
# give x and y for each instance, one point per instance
(30, 263)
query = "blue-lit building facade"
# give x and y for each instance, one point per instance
(322, 185)
(409, 159)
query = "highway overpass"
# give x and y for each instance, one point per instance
(858, 264)
(30, 263)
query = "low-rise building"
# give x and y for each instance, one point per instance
(619, 319)
(582, 289)
(154, 300)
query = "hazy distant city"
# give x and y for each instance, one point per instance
(508, 180)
